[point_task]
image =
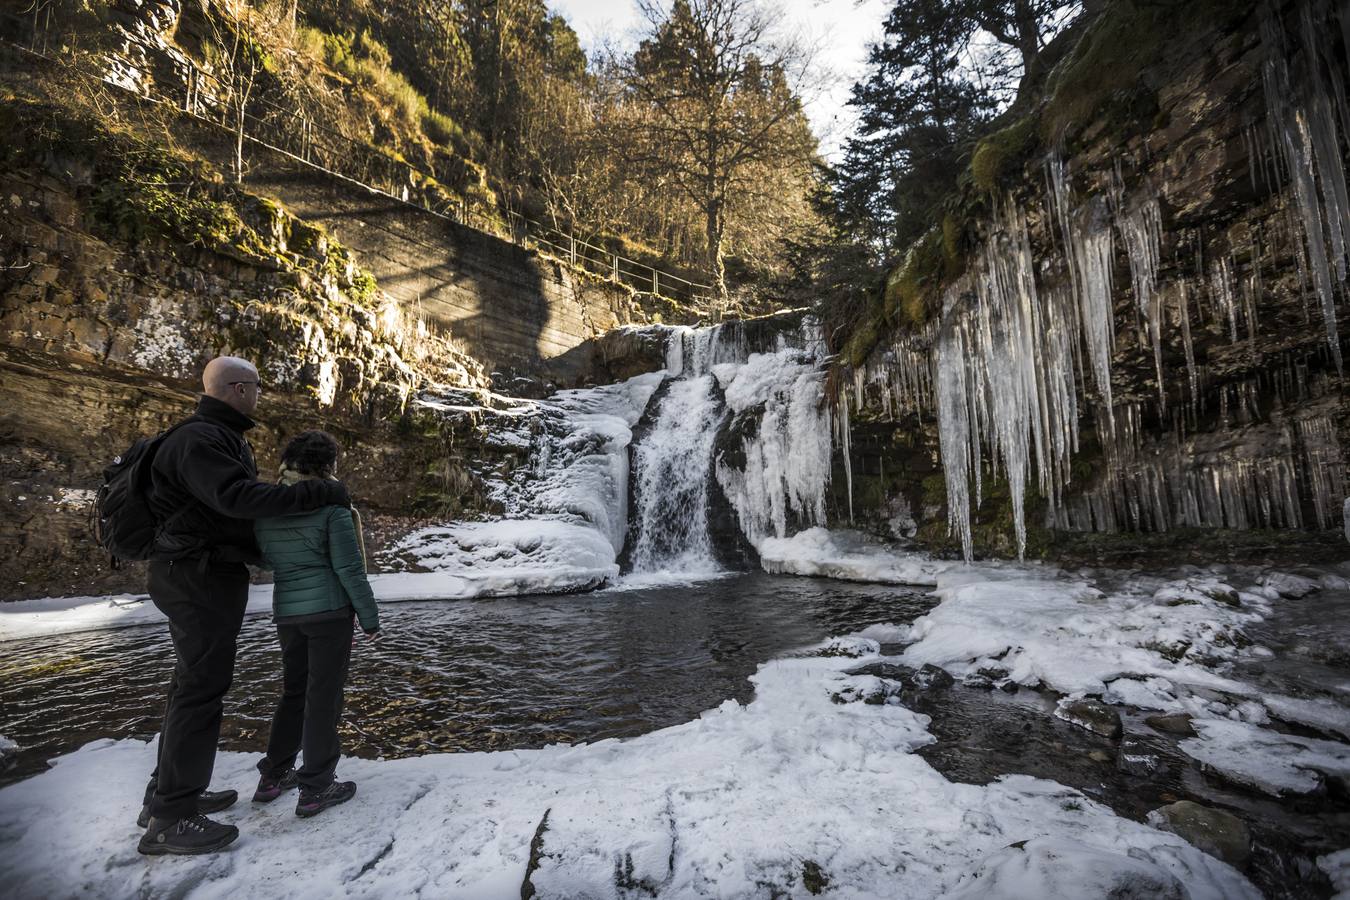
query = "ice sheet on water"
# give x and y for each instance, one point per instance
(848, 555)
(1337, 867)
(683, 809)
(1267, 760)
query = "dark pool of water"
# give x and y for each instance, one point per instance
(463, 674)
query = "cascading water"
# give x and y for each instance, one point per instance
(746, 415)
(671, 476)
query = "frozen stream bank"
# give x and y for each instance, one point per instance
(784, 793)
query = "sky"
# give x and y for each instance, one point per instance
(841, 30)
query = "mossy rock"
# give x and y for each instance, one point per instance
(913, 291)
(1102, 82)
(999, 157)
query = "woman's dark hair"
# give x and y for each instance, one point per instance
(311, 453)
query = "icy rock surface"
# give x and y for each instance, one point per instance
(849, 556)
(728, 805)
(566, 511)
(1267, 760)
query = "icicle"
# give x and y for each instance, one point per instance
(1141, 232)
(846, 447)
(1303, 117)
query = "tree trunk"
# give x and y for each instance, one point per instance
(239, 148)
(714, 227)
(1028, 35)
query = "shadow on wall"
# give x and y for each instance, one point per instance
(488, 293)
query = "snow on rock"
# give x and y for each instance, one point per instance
(1046, 867)
(8, 751)
(847, 555)
(1337, 867)
(478, 559)
(1275, 763)
(742, 802)
(1070, 636)
(1287, 584)
(1321, 713)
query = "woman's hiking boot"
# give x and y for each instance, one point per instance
(314, 802)
(207, 802)
(187, 836)
(270, 787)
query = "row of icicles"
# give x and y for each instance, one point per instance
(1003, 369)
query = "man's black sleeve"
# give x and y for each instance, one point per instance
(217, 478)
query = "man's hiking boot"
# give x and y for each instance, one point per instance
(194, 834)
(207, 802)
(314, 802)
(270, 787)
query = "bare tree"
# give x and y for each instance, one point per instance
(724, 100)
(239, 61)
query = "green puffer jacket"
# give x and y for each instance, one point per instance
(316, 558)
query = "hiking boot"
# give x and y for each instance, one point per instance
(194, 834)
(270, 787)
(312, 803)
(207, 802)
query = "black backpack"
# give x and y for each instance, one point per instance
(123, 523)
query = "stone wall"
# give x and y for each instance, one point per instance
(507, 305)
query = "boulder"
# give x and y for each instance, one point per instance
(1220, 834)
(1287, 584)
(1137, 758)
(1172, 723)
(931, 677)
(1094, 715)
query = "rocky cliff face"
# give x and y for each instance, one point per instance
(1131, 320)
(125, 267)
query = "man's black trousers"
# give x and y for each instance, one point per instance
(205, 607)
(314, 658)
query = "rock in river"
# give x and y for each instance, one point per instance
(1094, 715)
(1172, 723)
(1220, 834)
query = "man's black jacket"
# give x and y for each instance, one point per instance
(205, 491)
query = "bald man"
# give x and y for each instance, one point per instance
(205, 493)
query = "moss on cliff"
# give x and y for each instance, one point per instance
(999, 157)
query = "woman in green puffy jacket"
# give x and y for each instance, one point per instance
(318, 561)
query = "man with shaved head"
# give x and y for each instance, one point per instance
(205, 493)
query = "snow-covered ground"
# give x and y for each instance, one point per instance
(1150, 644)
(746, 801)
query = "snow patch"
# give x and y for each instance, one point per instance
(849, 556)
(1267, 760)
(730, 805)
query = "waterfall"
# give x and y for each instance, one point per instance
(671, 475)
(744, 414)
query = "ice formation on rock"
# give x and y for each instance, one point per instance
(763, 389)
(1307, 111)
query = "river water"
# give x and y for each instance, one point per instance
(463, 675)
